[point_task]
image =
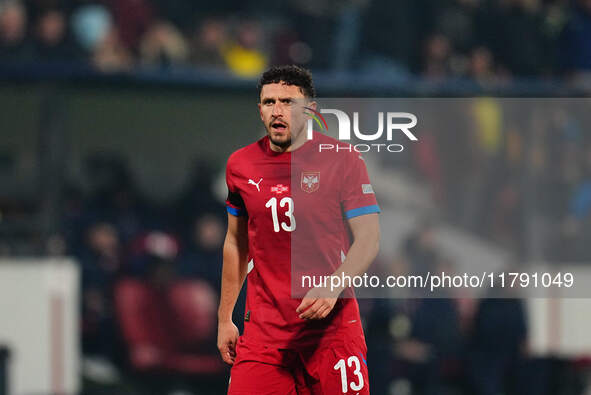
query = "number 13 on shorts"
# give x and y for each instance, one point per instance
(351, 375)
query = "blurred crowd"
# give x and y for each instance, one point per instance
(439, 346)
(490, 41)
(150, 277)
(515, 173)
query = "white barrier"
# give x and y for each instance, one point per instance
(39, 323)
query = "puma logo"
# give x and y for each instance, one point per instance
(256, 184)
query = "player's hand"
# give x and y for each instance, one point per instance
(314, 307)
(227, 338)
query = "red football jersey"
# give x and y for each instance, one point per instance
(297, 204)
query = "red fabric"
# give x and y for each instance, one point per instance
(314, 190)
(582, 362)
(193, 305)
(262, 370)
(133, 18)
(159, 326)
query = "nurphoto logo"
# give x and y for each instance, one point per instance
(396, 122)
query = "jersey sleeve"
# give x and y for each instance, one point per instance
(234, 202)
(357, 194)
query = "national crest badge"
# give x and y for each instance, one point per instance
(310, 181)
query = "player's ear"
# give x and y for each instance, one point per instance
(310, 105)
(260, 110)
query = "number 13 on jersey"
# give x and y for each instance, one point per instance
(286, 226)
(352, 361)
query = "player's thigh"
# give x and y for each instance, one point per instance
(248, 378)
(340, 369)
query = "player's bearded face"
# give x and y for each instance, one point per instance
(282, 113)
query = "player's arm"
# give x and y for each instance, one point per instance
(233, 274)
(363, 251)
(366, 240)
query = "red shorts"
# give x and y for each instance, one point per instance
(339, 367)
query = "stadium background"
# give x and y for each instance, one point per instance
(117, 117)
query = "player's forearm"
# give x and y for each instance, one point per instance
(361, 254)
(233, 275)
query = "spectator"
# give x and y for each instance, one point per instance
(101, 263)
(52, 42)
(428, 162)
(203, 255)
(497, 346)
(288, 48)
(114, 196)
(111, 54)
(197, 199)
(313, 19)
(245, 56)
(14, 46)
(506, 217)
(95, 32)
(480, 68)
(153, 256)
(420, 250)
(132, 18)
(208, 43)
(90, 26)
(429, 355)
(163, 45)
(438, 53)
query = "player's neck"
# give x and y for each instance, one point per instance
(297, 143)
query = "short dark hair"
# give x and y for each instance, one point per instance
(289, 75)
